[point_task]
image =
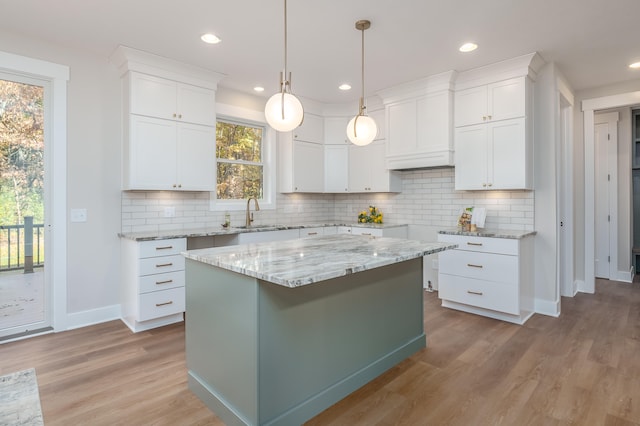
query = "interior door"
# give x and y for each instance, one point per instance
(605, 198)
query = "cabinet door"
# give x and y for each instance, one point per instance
(434, 123)
(311, 129)
(196, 168)
(359, 169)
(506, 99)
(402, 127)
(196, 105)
(336, 168)
(507, 161)
(152, 154)
(308, 167)
(471, 157)
(335, 130)
(378, 170)
(152, 96)
(470, 106)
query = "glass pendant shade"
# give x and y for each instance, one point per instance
(293, 112)
(363, 132)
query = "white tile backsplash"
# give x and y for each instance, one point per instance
(427, 199)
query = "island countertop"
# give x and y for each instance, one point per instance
(299, 262)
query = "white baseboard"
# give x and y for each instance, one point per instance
(93, 316)
(580, 286)
(625, 276)
(547, 307)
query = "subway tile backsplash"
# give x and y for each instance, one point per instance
(427, 198)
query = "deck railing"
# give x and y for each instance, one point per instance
(21, 246)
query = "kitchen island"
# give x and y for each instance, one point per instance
(277, 332)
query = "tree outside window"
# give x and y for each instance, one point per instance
(239, 158)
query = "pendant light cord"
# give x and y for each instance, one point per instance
(362, 94)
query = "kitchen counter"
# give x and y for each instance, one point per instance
(278, 332)
(517, 235)
(219, 230)
(294, 263)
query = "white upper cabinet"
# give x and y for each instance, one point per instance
(367, 170)
(311, 129)
(169, 123)
(336, 168)
(300, 165)
(492, 102)
(494, 126)
(420, 123)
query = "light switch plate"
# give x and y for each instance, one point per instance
(78, 215)
(169, 211)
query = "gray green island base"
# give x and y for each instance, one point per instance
(261, 353)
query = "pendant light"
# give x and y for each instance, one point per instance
(283, 110)
(362, 129)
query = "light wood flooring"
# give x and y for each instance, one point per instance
(582, 368)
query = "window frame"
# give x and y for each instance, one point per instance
(249, 117)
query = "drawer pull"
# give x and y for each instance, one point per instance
(164, 304)
(161, 265)
(475, 244)
(479, 293)
(164, 248)
(312, 233)
(164, 282)
(366, 233)
(471, 265)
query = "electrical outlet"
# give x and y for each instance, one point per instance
(169, 211)
(434, 263)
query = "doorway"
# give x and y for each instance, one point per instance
(25, 302)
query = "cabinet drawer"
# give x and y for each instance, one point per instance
(484, 294)
(162, 247)
(162, 264)
(155, 282)
(481, 266)
(482, 244)
(161, 303)
(356, 230)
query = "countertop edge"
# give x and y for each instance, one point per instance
(488, 233)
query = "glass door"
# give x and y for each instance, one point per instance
(24, 286)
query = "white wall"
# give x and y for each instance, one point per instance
(93, 175)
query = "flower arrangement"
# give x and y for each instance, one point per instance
(373, 215)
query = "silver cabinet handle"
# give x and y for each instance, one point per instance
(162, 265)
(479, 293)
(164, 304)
(471, 265)
(164, 282)
(312, 233)
(164, 248)
(474, 244)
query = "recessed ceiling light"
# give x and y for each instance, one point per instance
(210, 38)
(259, 89)
(635, 65)
(468, 47)
(344, 86)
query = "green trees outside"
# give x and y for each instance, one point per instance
(21, 152)
(239, 159)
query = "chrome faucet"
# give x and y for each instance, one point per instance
(250, 215)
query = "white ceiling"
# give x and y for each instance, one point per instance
(592, 41)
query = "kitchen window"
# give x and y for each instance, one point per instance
(244, 160)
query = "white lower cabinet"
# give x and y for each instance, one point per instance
(488, 276)
(153, 283)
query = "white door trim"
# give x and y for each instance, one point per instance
(589, 106)
(56, 139)
(565, 194)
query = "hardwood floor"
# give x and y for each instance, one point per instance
(582, 368)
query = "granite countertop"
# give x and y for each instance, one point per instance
(219, 230)
(295, 263)
(492, 233)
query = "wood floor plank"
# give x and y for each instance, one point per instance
(582, 368)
